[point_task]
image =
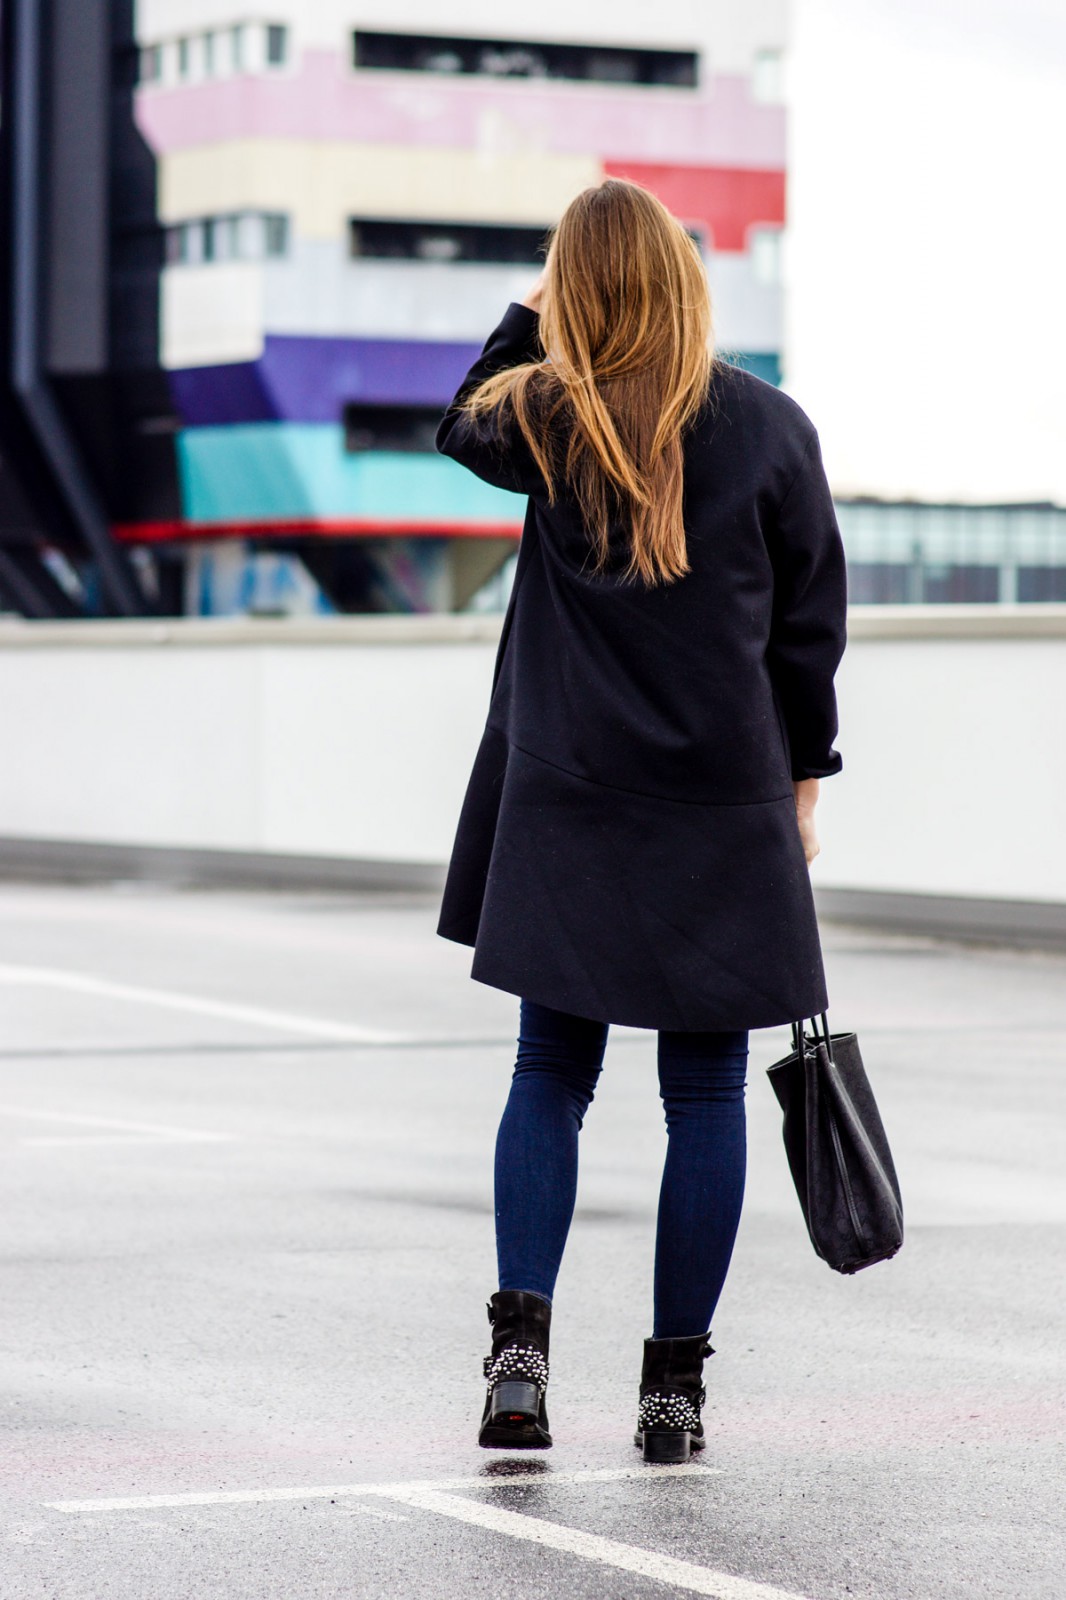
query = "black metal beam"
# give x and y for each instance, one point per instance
(28, 90)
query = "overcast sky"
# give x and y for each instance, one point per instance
(927, 250)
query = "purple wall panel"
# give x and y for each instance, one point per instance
(312, 379)
(207, 396)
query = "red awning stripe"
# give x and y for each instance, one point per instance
(181, 531)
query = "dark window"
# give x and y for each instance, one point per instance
(277, 45)
(184, 62)
(516, 58)
(152, 63)
(946, 584)
(1042, 583)
(878, 583)
(221, 238)
(237, 45)
(209, 54)
(275, 233)
(445, 241)
(408, 428)
(176, 251)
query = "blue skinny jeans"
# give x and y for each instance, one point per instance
(702, 1077)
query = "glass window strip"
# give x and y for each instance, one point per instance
(520, 58)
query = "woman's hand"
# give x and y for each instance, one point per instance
(532, 299)
(806, 793)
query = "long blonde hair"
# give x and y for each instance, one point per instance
(625, 317)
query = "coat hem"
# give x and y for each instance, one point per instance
(647, 917)
(620, 1020)
(454, 935)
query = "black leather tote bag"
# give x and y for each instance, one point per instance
(837, 1150)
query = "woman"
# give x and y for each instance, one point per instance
(635, 839)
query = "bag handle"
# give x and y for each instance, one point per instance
(797, 1035)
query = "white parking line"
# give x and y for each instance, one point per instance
(234, 1497)
(593, 1547)
(126, 1132)
(434, 1497)
(200, 1005)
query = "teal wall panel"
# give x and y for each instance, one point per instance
(294, 469)
(764, 364)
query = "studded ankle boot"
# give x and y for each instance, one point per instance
(515, 1415)
(669, 1427)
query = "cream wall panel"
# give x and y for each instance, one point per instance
(321, 183)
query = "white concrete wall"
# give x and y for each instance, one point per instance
(348, 739)
(952, 734)
(212, 312)
(354, 737)
(318, 289)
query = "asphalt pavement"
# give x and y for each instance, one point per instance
(246, 1244)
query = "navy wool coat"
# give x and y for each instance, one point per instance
(628, 848)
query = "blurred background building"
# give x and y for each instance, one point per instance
(351, 198)
(252, 255)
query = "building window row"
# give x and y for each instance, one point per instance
(254, 46)
(236, 236)
(507, 244)
(216, 53)
(389, 239)
(257, 235)
(902, 552)
(518, 58)
(952, 583)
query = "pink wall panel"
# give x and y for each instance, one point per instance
(726, 200)
(324, 99)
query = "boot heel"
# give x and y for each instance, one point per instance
(518, 1401)
(672, 1447)
(669, 1425)
(516, 1369)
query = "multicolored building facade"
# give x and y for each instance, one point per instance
(351, 196)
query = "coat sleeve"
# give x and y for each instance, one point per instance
(809, 620)
(490, 447)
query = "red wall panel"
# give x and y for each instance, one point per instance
(726, 201)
